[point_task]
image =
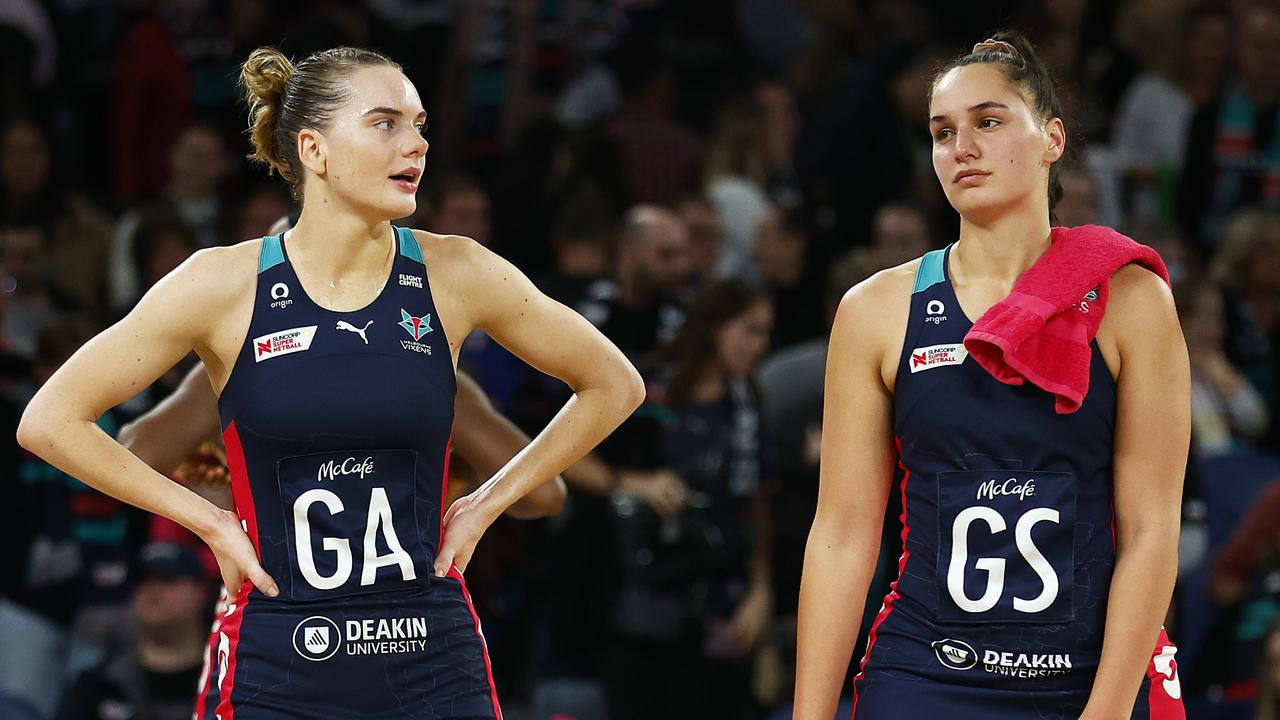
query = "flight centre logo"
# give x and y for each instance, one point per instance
(960, 655)
(318, 638)
(417, 327)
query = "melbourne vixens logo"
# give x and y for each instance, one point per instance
(417, 327)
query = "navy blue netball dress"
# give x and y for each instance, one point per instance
(1008, 544)
(337, 427)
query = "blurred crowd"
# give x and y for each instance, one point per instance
(702, 181)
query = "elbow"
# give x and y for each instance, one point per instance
(632, 389)
(33, 429)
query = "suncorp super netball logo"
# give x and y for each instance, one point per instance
(283, 343)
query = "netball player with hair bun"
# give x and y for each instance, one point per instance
(1027, 392)
(333, 349)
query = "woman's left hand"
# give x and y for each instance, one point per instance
(464, 524)
(750, 620)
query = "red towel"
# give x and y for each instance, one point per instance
(1041, 332)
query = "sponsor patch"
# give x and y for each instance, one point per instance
(283, 343)
(927, 358)
(318, 638)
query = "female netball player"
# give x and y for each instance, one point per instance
(1039, 548)
(333, 351)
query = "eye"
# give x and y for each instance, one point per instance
(942, 134)
(384, 124)
(422, 129)
(988, 123)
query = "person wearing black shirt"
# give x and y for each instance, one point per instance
(156, 677)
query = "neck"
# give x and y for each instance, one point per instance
(998, 252)
(172, 651)
(334, 244)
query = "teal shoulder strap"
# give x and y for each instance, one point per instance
(272, 253)
(932, 270)
(409, 245)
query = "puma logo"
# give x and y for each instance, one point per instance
(344, 325)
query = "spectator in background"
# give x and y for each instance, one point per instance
(706, 237)
(583, 240)
(1079, 203)
(1227, 413)
(1268, 707)
(749, 153)
(31, 299)
(865, 144)
(794, 286)
(1247, 268)
(641, 307)
(663, 159)
(152, 96)
(1184, 72)
(1233, 149)
(257, 212)
(198, 161)
(458, 205)
(899, 233)
(78, 233)
(155, 677)
(791, 382)
(695, 597)
(161, 243)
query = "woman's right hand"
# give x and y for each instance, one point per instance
(236, 557)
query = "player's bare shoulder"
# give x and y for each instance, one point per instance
(872, 317)
(215, 287)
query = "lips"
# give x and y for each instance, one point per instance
(407, 178)
(967, 174)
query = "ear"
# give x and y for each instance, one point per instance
(1056, 135)
(313, 152)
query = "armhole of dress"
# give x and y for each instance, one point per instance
(932, 270)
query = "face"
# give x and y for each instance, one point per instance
(260, 212)
(990, 152)
(1258, 50)
(25, 160)
(465, 213)
(1208, 44)
(779, 251)
(168, 253)
(741, 342)
(168, 605)
(370, 158)
(702, 228)
(23, 252)
(663, 257)
(899, 235)
(197, 162)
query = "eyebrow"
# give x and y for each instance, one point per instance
(388, 111)
(988, 105)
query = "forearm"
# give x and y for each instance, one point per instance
(587, 419)
(1141, 587)
(81, 449)
(833, 589)
(544, 500)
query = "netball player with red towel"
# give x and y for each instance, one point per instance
(1039, 451)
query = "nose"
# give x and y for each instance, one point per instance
(965, 146)
(418, 146)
